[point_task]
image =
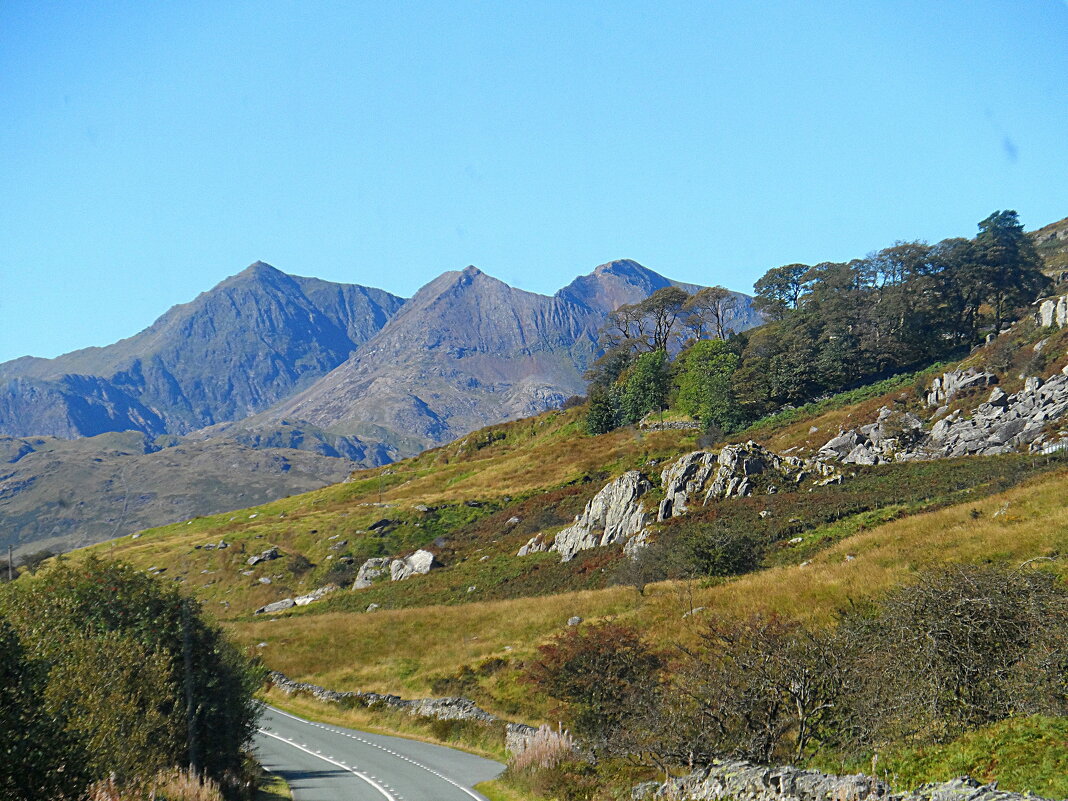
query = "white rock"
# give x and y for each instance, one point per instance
(417, 564)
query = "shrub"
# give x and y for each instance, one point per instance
(970, 645)
(544, 750)
(603, 673)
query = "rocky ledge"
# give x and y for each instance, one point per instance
(617, 515)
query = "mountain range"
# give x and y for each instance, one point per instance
(317, 377)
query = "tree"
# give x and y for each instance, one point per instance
(646, 387)
(602, 415)
(708, 312)
(1010, 265)
(703, 375)
(649, 325)
(780, 290)
(136, 677)
(36, 760)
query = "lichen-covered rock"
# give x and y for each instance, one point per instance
(417, 564)
(535, 544)
(370, 570)
(1053, 311)
(266, 556)
(612, 516)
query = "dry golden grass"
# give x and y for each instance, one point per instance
(402, 651)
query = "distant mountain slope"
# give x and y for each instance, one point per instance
(60, 494)
(468, 351)
(233, 351)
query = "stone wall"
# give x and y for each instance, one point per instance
(450, 708)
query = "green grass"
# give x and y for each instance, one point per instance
(1022, 754)
(273, 788)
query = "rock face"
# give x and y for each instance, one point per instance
(613, 515)
(370, 570)
(417, 564)
(742, 781)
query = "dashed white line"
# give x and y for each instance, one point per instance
(441, 776)
(369, 779)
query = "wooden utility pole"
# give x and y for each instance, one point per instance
(10, 565)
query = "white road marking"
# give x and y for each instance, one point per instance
(353, 771)
(458, 786)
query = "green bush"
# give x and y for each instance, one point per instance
(135, 678)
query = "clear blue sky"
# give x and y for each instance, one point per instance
(148, 150)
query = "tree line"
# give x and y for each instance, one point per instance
(829, 327)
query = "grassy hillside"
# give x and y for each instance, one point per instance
(469, 627)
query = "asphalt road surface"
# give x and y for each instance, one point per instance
(329, 763)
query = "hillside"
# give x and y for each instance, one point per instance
(1052, 244)
(61, 494)
(472, 624)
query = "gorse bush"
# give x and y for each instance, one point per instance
(119, 675)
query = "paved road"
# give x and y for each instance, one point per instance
(329, 763)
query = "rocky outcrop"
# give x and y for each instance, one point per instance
(277, 606)
(1052, 312)
(416, 564)
(370, 570)
(743, 781)
(731, 474)
(943, 389)
(890, 438)
(613, 515)
(683, 479)
(1001, 424)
